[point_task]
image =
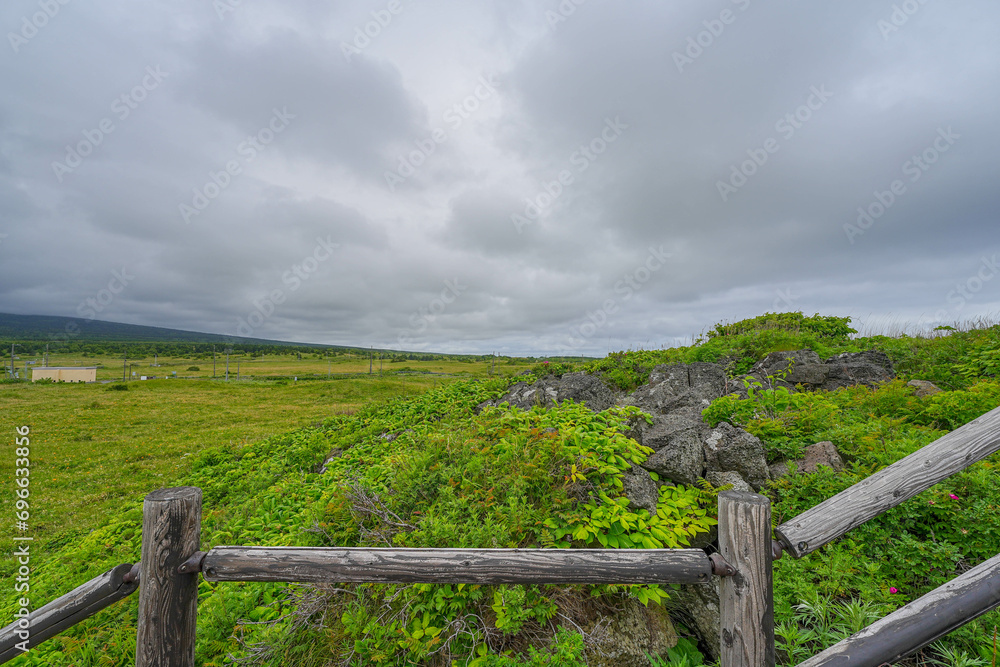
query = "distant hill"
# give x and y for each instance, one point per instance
(47, 327)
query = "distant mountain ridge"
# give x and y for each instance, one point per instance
(48, 327)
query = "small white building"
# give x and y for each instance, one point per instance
(65, 373)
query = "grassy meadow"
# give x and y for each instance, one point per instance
(305, 365)
(94, 445)
(503, 477)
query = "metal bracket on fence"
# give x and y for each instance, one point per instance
(720, 567)
(132, 575)
(192, 564)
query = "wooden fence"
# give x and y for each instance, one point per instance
(167, 575)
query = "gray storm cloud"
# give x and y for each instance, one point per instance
(463, 178)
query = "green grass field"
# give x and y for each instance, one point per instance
(92, 447)
(266, 366)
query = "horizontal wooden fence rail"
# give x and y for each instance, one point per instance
(930, 617)
(81, 603)
(891, 486)
(457, 566)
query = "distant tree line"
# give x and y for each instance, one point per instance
(187, 350)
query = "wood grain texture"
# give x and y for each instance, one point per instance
(168, 601)
(892, 485)
(919, 623)
(470, 566)
(67, 610)
(746, 600)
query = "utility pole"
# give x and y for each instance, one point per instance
(329, 365)
(380, 364)
(493, 363)
(124, 365)
(371, 354)
(227, 363)
(213, 362)
(46, 355)
(237, 370)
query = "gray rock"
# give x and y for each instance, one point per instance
(588, 389)
(549, 390)
(718, 478)
(923, 388)
(728, 448)
(779, 362)
(640, 489)
(679, 455)
(787, 369)
(706, 539)
(634, 632)
(697, 607)
(821, 454)
(870, 368)
(676, 386)
(334, 454)
(779, 470)
(657, 435)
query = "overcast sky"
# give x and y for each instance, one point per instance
(521, 177)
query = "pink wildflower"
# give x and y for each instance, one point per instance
(893, 590)
(953, 496)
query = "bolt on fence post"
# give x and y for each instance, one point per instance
(746, 600)
(168, 601)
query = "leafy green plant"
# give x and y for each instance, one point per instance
(684, 654)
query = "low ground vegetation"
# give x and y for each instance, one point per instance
(434, 471)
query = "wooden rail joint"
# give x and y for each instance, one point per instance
(720, 567)
(192, 564)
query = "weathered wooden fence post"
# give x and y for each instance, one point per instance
(746, 600)
(168, 601)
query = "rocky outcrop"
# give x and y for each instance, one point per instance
(697, 605)
(678, 454)
(641, 490)
(870, 368)
(821, 454)
(719, 478)
(634, 632)
(731, 449)
(584, 388)
(923, 388)
(804, 368)
(676, 386)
